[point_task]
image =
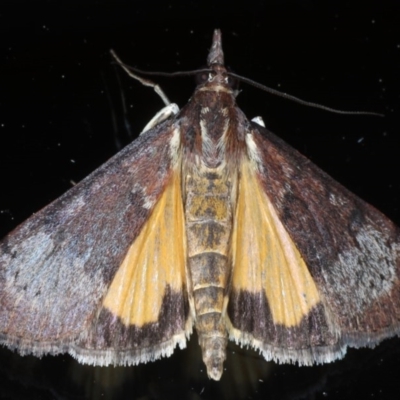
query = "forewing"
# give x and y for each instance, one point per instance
(56, 268)
(317, 269)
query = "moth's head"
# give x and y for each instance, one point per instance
(217, 77)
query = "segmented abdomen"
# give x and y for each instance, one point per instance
(208, 212)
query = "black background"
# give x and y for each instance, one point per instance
(62, 114)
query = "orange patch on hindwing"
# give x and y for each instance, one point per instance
(265, 258)
(155, 260)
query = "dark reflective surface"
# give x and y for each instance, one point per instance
(62, 115)
(362, 374)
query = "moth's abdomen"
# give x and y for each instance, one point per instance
(208, 213)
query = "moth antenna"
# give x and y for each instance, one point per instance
(168, 74)
(129, 68)
(298, 100)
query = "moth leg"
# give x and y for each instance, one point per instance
(162, 115)
(259, 121)
(143, 81)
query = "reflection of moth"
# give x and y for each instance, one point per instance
(207, 220)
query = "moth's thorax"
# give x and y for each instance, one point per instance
(212, 133)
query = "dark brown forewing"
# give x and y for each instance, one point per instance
(56, 267)
(351, 249)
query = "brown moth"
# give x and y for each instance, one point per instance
(210, 221)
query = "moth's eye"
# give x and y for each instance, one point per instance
(232, 82)
(203, 77)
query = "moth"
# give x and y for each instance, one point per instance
(206, 221)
